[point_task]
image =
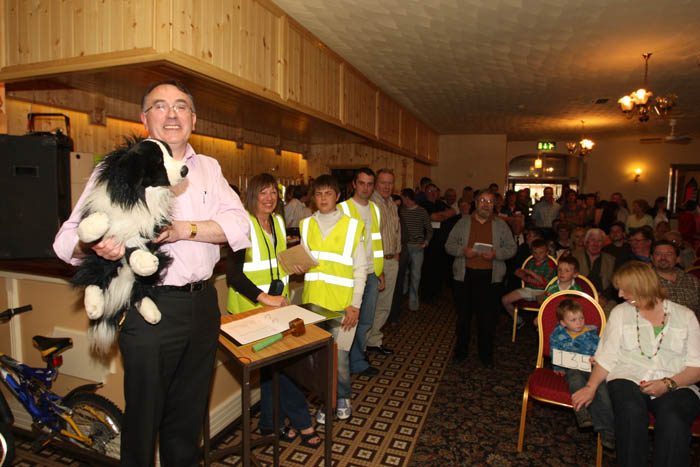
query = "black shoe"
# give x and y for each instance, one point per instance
(459, 357)
(380, 349)
(369, 371)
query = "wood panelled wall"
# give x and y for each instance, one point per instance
(238, 165)
(249, 44)
(323, 158)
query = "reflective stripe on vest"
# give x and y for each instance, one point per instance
(330, 284)
(257, 265)
(350, 209)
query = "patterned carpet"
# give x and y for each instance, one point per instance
(389, 410)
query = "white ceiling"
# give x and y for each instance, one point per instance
(530, 69)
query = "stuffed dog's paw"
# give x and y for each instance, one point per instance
(149, 311)
(143, 263)
(93, 227)
(94, 301)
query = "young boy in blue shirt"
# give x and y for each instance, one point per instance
(573, 335)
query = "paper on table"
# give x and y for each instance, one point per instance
(483, 247)
(262, 325)
(299, 255)
(572, 360)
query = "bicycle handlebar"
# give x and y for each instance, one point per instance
(10, 312)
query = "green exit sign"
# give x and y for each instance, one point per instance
(546, 145)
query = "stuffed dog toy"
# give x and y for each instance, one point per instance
(130, 203)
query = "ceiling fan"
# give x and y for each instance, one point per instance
(672, 138)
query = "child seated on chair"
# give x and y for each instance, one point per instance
(567, 272)
(536, 275)
(573, 335)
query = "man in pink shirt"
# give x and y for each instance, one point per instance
(168, 366)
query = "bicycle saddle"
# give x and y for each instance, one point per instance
(51, 345)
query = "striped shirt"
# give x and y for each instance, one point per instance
(390, 224)
(415, 224)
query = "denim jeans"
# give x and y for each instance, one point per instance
(358, 362)
(292, 402)
(601, 408)
(344, 391)
(415, 263)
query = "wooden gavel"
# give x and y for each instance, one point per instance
(296, 328)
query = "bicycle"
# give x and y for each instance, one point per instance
(80, 417)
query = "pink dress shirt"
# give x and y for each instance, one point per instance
(204, 195)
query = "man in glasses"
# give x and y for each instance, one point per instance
(683, 288)
(168, 366)
(480, 243)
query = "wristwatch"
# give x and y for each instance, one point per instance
(193, 230)
(670, 384)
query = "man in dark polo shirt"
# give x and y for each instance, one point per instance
(435, 265)
(480, 243)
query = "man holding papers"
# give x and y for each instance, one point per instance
(338, 282)
(481, 271)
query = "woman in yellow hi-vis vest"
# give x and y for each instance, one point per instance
(255, 279)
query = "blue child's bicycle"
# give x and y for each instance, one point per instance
(80, 417)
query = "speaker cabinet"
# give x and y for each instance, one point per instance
(35, 190)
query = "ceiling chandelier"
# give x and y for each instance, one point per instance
(583, 147)
(639, 103)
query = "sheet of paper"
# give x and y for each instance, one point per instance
(574, 361)
(435, 224)
(262, 325)
(482, 247)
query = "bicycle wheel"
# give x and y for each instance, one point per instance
(7, 445)
(98, 418)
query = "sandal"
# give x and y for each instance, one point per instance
(306, 439)
(286, 434)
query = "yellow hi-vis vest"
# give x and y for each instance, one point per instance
(350, 209)
(330, 284)
(257, 264)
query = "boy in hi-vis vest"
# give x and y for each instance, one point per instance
(338, 282)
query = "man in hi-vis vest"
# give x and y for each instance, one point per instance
(361, 208)
(337, 283)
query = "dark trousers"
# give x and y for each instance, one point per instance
(167, 374)
(395, 313)
(434, 271)
(674, 412)
(477, 296)
(292, 402)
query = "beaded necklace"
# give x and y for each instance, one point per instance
(661, 337)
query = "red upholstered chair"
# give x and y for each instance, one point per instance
(525, 304)
(695, 270)
(696, 262)
(543, 384)
(587, 286)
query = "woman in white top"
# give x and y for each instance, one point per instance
(650, 356)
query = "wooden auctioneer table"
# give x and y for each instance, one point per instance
(287, 353)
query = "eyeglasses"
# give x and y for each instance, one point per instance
(164, 107)
(487, 201)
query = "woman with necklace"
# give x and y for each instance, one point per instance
(649, 355)
(255, 279)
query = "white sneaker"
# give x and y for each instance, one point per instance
(344, 411)
(320, 416)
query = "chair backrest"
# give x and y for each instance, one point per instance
(695, 270)
(587, 286)
(527, 260)
(696, 262)
(547, 318)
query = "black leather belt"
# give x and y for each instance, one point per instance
(189, 288)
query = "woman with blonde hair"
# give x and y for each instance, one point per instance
(649, 355)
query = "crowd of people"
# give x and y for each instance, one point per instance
(375, 248)
(480, 242)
